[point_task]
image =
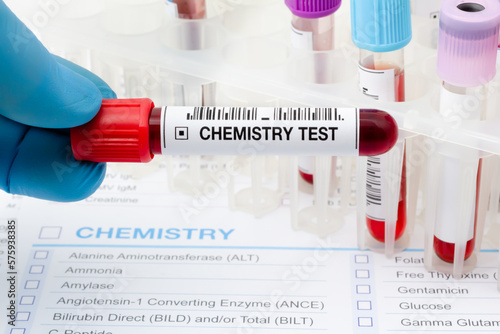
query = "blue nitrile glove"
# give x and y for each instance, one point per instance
(40, 97)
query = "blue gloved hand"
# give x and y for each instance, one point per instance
(41, 96)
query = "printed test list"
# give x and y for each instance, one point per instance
(152, 261)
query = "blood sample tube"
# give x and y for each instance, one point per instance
(191, 34)
(133, 130)
(313, 23)
(312, 29)
(381, 29)
(466, 62)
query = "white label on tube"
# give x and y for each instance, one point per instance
(378, 84)
(172, 10)
(301, 39)
(263, 130)
(461, 106)
(446, 217)
(374, 208)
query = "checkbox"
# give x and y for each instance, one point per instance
(17, 331)
(364, 305)
(363, 289)
(36, 269)
(27, 300)
(39, 255)
(365, 322)
(32, 284)
(50, 232)
(23, 316)
(181, 133)
(362, 273)
(361, 259)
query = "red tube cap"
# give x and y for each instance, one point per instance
(121, 136)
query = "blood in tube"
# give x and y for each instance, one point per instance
(191, 9)
(376, 226)
(313, 29)
(133, 130)
(399, 78)
(466, 62)
(446, 250)
(382, 29)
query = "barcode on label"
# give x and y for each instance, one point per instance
(253, 114)
(307, 114)
(220, 114)
(373, 182)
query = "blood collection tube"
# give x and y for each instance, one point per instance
(381, 29)
(313, 23)
(466, 62)
(134, 130)
(312, 29)
(191, 35)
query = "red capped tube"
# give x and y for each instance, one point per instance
(134, 130)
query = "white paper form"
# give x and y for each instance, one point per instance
(135, 257)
